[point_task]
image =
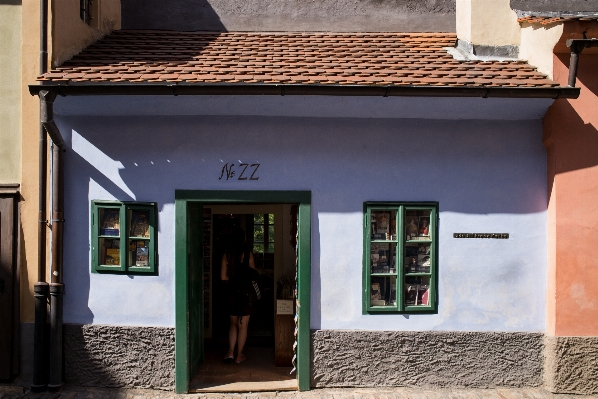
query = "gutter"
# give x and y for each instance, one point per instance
(56, 286)
(57, 223)
(577, 46)
(176, 89)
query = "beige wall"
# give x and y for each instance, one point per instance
(10, 93)
(29, 150)
(71, 34)
(537, 45)
(487, 22)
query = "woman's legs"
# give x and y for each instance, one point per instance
(243, 323)
(232, 335)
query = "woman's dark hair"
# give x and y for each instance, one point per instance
(235, 250)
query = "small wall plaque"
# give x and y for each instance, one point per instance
(284, 306)
(498, 236)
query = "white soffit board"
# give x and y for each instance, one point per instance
(308, 106)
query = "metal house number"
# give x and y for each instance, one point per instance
(244, 171)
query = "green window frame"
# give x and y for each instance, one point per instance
(400, 262)
(123, 237)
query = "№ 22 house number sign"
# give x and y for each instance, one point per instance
(244, 171)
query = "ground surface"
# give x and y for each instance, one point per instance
(69, 392)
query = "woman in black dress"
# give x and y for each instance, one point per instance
(234, 269)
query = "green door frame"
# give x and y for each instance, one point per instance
(183, 365)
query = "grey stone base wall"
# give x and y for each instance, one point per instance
(426, 359)
(119, 356)
(571, 365)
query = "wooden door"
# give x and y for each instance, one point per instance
(9, 298)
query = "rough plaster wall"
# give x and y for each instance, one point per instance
(291, 15)
(117, 356)
(441, 359)
(571, 365)
(555, 5)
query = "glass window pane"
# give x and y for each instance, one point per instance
(383, 258)
(109, 252)
(271, 233)
(271, 219)
(417, 258)
(417, 291)
(109, 222)
(383, 291)
(138, 253)
(139, 223)
(258, 234)
(258, 248)
(271, 247)
(417, 225)
(258, 219)
(383, 224)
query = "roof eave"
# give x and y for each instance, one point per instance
(165, 88)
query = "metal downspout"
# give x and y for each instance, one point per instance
(577, 46)
(41, 288)
(57, 223)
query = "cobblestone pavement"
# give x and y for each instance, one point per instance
(14, 392)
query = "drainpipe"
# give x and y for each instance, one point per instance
(40, 289)
(577, 46)
(56, 285)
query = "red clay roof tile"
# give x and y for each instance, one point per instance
(297, 58)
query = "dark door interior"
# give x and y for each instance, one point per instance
(195, 272)
(261, 326)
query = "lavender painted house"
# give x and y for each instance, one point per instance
(323, 148)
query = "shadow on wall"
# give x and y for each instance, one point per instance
(180, 15)
(290, 15)
(570, 125)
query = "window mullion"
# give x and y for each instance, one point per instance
(401, 258)
(124, 238)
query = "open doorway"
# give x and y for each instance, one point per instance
(190, 347)
(270, 234)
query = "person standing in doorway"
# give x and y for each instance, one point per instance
(234, 271)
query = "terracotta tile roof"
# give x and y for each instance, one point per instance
(387, 59)
(544, 20)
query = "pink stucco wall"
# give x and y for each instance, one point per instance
(571, 139)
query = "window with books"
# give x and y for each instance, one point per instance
(400, 257)
(123, 237)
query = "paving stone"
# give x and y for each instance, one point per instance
(13, 392)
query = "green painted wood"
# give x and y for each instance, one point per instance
(183, 362)
(123, 238)
(152, 250)
(304, 283)
(400, 258)
(181, 332)
(249, 196)
(401, 208)
(365, 294)
(95, 237)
